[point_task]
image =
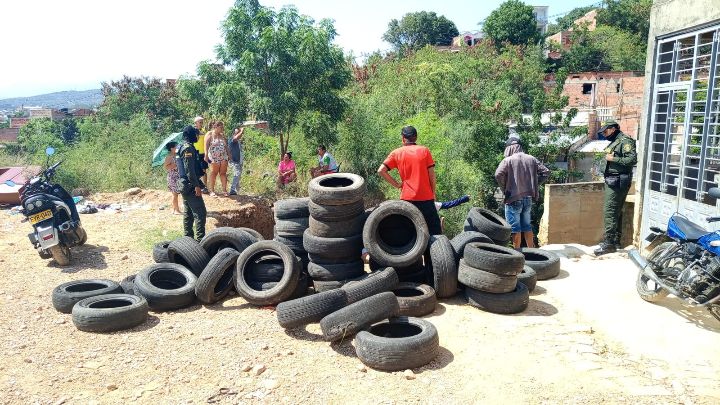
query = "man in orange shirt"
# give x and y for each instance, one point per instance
(417, 177)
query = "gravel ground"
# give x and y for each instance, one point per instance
(555, 352)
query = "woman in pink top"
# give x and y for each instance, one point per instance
(286, 170)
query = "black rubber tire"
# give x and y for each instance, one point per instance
(166, 286)
(546, 264)
(336, 213)
(395, 234)
(489, 223)
(128, 284)
(187, 252)
(160, 252)
(528, 277)
(495, 259)
(484, 280)
(443, 266)
(401, 343)
(371, 284)
(509, 303)
(291, 226)
(310, 309)
(322, 286)
(226, 237)
(359, 315)
(283, 289)
(267, 269)
(291, 208)
(321, 259)
(415, 299)
(293, 242)
(421, 276)
(110, 312)
(335, 272)
(655, 292)
(300, 290)
(462, 239)
(419, 265)
(216, 280)
(66, 295)
(348, 248)
(337, 229)
(257, 235)
(337, 189)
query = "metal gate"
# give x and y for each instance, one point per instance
(683, 142)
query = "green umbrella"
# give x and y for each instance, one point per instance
(160, 152)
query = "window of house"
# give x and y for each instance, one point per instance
(617, 88)
(587, 88)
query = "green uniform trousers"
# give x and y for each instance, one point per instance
(613, 208)
(194, 210)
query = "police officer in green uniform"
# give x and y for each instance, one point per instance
(620, 157)
(190, 184)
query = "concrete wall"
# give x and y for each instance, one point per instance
(667, 17)
(573, 213)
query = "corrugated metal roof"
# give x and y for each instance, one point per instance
(594, 146)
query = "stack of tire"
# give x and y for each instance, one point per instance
(385, 339)
(490, 275)
(489, 224)
(333, 240)
(291, 221)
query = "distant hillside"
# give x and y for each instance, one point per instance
(61, 99)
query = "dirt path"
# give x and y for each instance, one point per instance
(586, 338)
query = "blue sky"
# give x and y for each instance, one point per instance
(52, 45)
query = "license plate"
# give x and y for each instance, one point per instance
(34, 219)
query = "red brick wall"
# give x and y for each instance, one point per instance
(8, 135)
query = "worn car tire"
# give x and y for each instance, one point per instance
(347, 248)
(257, 235)
(334, 272)
(395, 234)
(310, 309)
(462, 239)
(356, 316)
(401, 343)
(508, 303)
(291, 208)
(421, 276)
(489, 223)
(216, 280)
(493, 258)
(444, 268)
(283, 289)
(291, 226)
(299, 291)
(415, 299)
(128, 284)
(337, 189)
(528, 277)
(66, 295)
(187, 252)
(226, 237)
(335, 213)
(484, 280)
(293, 242)
(266, 269)
(337, 229)
(371, 284)
(160, 252)
(546, 264)
(110, 312)
(322, 286)
(166, 286)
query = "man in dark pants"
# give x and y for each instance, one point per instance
(620, 157)
(190, 184)
(417, 177)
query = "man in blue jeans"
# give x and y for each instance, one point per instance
(519, 175)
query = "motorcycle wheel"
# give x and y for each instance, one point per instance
(61, 254)
(715, 311)
(83, 239)
(646, 287)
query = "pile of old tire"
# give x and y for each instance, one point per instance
(490, 274)
(333, 239)
(291, 221)
(489, 224)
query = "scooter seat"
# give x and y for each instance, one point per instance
(692, 231)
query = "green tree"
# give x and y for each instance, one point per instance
(566, 21)
(38, 134)
(513, 22)
(416, 30)
(632, 16)
(605, 49)
(289, 64)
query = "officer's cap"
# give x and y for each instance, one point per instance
(608, 124)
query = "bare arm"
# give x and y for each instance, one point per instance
(433, 180)
(383, 172)
(169, 163)
(207, 148)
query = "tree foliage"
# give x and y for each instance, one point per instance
(514, 23)
(287, 63)
(632, 16)
(416, 30)
(606, 48)
(566, 21)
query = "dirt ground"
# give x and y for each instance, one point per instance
(585, 338)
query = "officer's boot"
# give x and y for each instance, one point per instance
(605, 248)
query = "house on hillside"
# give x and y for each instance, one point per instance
(563, 39)
(470, 38)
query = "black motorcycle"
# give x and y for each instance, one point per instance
(52, 213)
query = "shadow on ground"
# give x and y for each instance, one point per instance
(84, 257)
(700, 316)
